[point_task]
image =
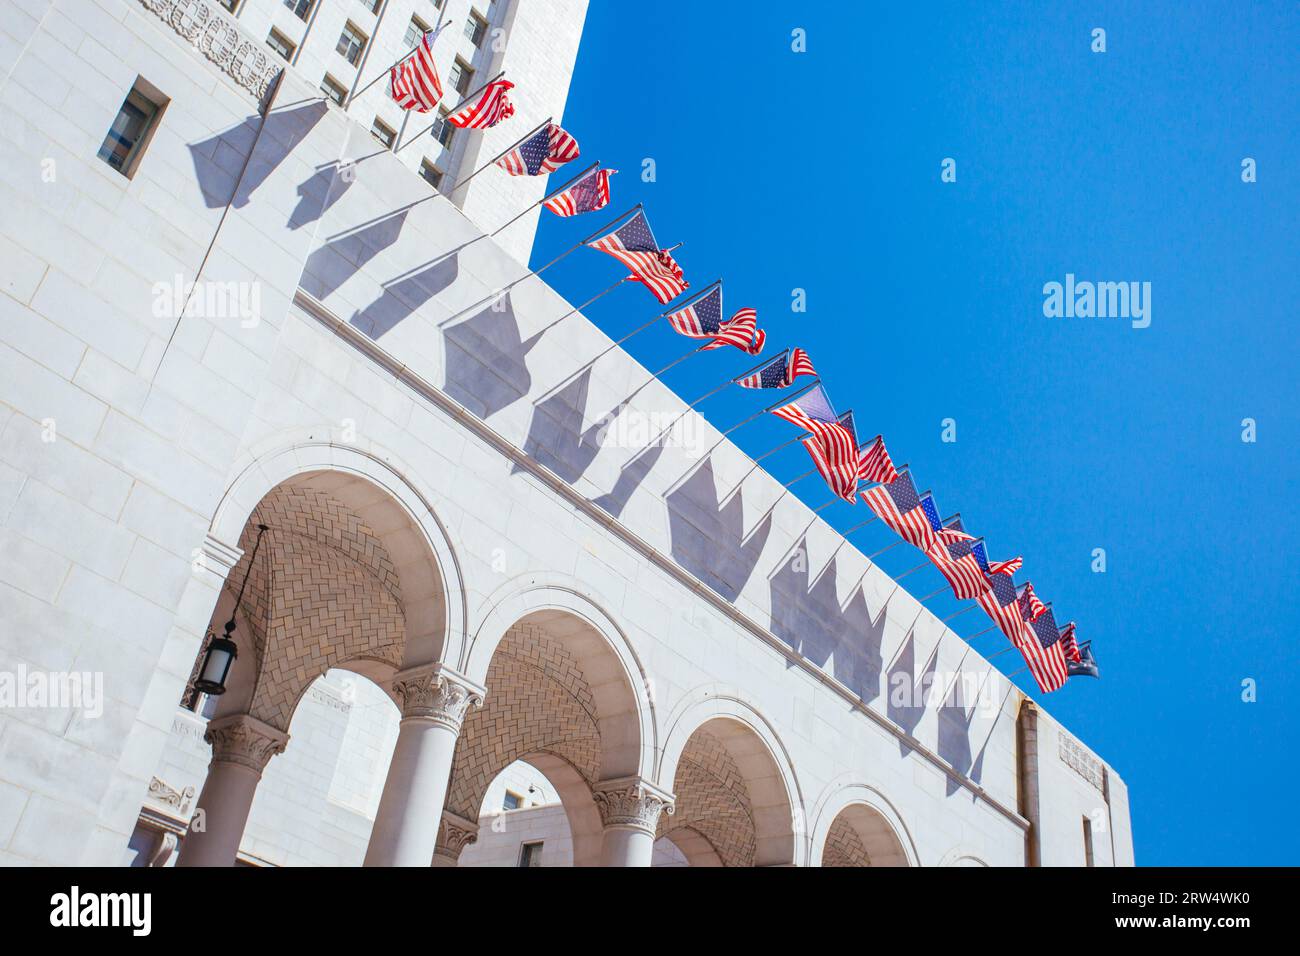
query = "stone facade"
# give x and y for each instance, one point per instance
(445, 531)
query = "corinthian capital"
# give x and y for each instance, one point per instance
(631, 802)
(436, 693)
(244, 740)
(454, 834)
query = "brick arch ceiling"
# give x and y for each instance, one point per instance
(844, 846)
(713, 800)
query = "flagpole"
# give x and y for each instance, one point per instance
(553, 192)
(923, 564)
(931, 594)
(530, 274)
(400, 59)
(872, 557)
(963, 611)
(536, 129)
(466, 99)
(1017, 673)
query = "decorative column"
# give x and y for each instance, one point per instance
(629, 808)
(434, 700)
(454, 834)
(242, 746)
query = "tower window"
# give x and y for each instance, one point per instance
(300, 8)
(278, 42)
(352, 42)
(530, 854)
(333, 89)
(136, 121)
(383, 132)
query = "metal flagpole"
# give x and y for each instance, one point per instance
(923, 564)
(979, 633)
(577, 309)
(872, 557)
(963, 611)
(1017, 673)
(352, 96)
(932, 594)
(536, 129)
(526, 275)
(466, 99)
(955, 677)
(553, 192)
(1004, 650)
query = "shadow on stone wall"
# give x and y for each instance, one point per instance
(906, 690)
(334, 262)
(485, 363)
(318, 193)
(403, 296)
(219, 159)
(811, 621)
(556, 436)
(708, 540)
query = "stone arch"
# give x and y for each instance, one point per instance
(388, 502)
(620, 689)
(856, 825)
(733, 780)
(960, 856)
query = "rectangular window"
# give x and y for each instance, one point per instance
(129, 136)
(442, 130)
(475, 28)
(433, 176)
(371, 5)
(333, 89)
(414, 31)
(383, 132)
(278, 42)
(462, 75)
(512, 801)
(530, 854)
(300, 8)
(1087, 842)
(352, 42)
(231, 5)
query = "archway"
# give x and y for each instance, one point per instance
(855, 825)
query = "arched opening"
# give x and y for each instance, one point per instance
(559, 699)
(860, 835)
(343, 593)
(733, 805)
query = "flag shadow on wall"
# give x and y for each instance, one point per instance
(707, 539)
(403, 296)
(219, 160)
(810, 620)
(334, 262)
(485, 359)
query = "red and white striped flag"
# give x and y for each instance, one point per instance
(836, 470)
(874, 463)
(898, 505)
(588, 194)
(492, 106)
(1029, 602)
(543, 152)
(634, 245)
(781, 371)
(1006, 567)
(1070, 644)
(1040, 644)
(741, 331)
(956, 562)
(1002, 607)
(413, 84)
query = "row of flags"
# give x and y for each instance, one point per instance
(1052, 654)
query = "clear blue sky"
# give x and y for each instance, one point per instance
(821, 171)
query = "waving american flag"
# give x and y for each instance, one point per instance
(781, 371)
(633, 244)
(702, 319)
(543, 152)
(1040, 643)
(956, 562)
(413, 84)
(588, 194)
(492, 106)
(874, 463)
(898, 505)
(1001, 605)
(996, 567)
(837, 469)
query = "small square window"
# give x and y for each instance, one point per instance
(443, 131)
(530, 854)
(383, 132)
(333, 89)
(475, 28)
(352, 42)
(433, 176)
(129, 136)
(462, 75)
(278, 42)
(300, 8)
(414, 30)
(512, 801)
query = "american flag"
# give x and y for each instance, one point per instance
(813, 406)
(413, 84)
(1029, 601)
(741, 330)
(1040, 645)
(953, 530)
(544, 152)
(781, 371)
(1000, 604)
(996, 567)
(874, 463)
(634, 245)
(898, 505)
(956, 562)
(492, 106)
(588, 194)
(835, 443)
(1070, 643)
(931, 513)
(838, 474)
(1086, 666)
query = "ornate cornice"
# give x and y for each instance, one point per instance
(454, 834)
(236, 54)
(632, 802)
(437, 693)
(244, 740)
(1074, 756)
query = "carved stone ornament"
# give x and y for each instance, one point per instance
(244, 740)
(437, 694)
(179, 800)
(1081, 762)
(239, 56)
(632, 802)
(454, 834)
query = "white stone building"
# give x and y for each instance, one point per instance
(473, 632)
